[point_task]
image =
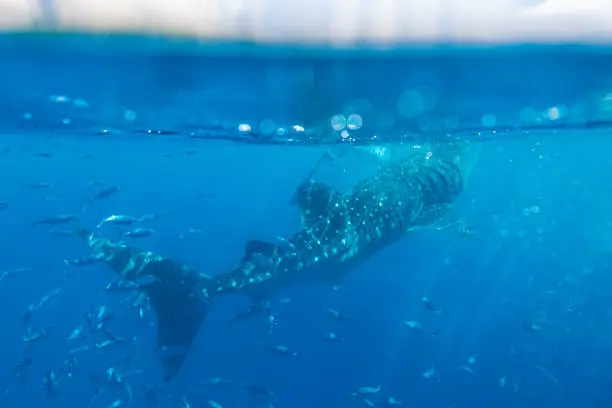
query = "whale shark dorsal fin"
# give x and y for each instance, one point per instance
(315, 199)
(255, 247)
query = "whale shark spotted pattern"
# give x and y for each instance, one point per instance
(339, 231)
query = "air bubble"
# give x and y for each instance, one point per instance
(338, 122)
(488, 120)
(411, 104)
(244, 128)
(354, 122)
(528, 114)
(267, 126)
(129, 115)
(556, 112)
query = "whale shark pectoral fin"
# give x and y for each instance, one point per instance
(443, 217)
(179, 308)
(315, 199)
(255, 247)
(434, 216)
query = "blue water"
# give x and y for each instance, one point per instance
(163, 124)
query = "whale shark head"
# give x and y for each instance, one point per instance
(463, 153)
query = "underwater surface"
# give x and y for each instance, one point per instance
(477, 274)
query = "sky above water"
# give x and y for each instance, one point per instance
(328, 21)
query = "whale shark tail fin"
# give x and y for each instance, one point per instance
(180, 311)
(174, 291)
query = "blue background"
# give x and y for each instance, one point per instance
(521, 267)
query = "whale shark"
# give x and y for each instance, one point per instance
(339, 230)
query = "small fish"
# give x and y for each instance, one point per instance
(429, 305)
(103, 315)
(141, 300)
(50, 383)
(27, 316)
(331, 336)
(77, 333)
(283, 351)
(124, 286)
(3, 206)
(55, 220)
(337, 315)
(429, 373)
(216, 381)
(98, 317)
(272, 323)
(79, 349)
(171, 351)
(12, 272)
(369, 390)
(88, 260)
(21, 367)
(47, 298)
(548, 374)
(191, 231)
(116, 404)
(259, 391)
(532, 327)
(118, 220)
(121, 286)
(68, 366)
(40, 185)
(366, 401)
(150, 217)
(466, 369)
(33, 337)
(139, 233)
(106, 193)
(391, 401)
(62, 232)
(413, 325)
(103, 194)
(106, 343)
(250, 311)
(43, 154)
(213, 404)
